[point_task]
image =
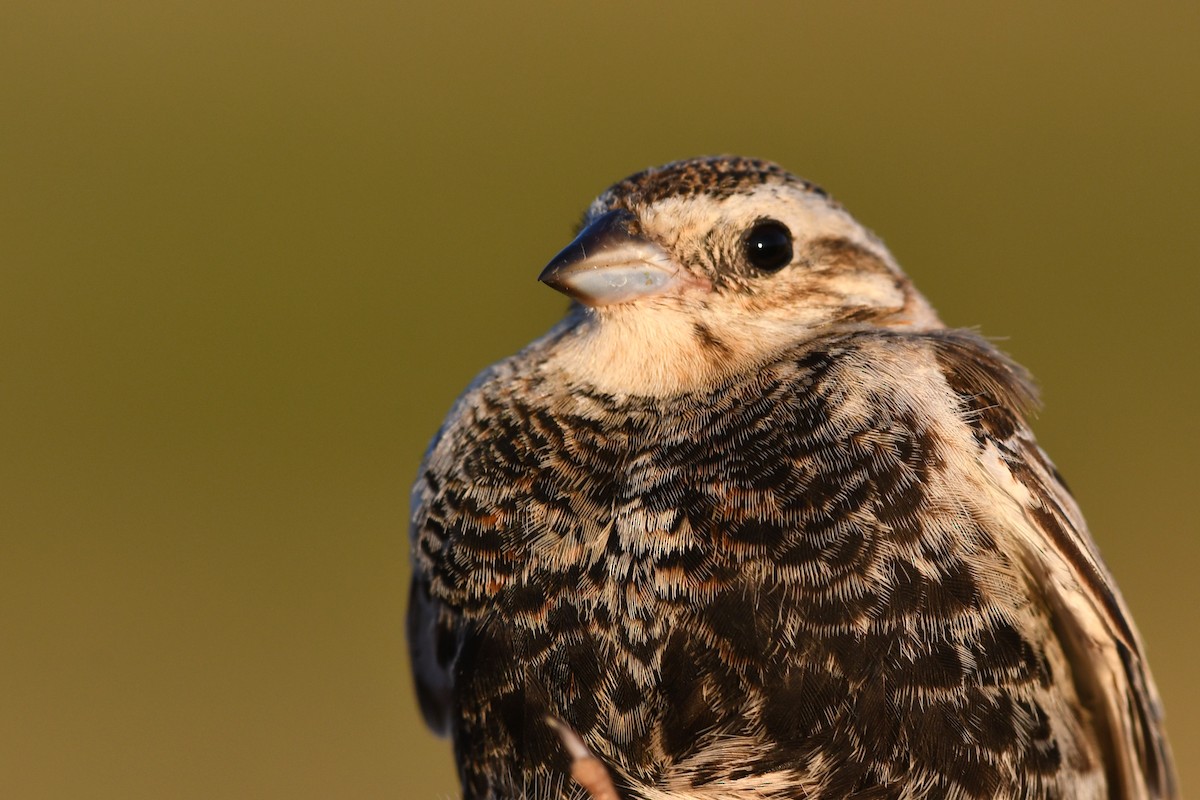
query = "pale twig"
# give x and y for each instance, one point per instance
(587, 770)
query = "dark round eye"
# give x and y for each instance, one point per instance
(768, 246)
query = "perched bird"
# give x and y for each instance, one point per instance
(751, 522)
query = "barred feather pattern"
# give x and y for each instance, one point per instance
(804, 582)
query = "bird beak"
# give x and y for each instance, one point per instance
(611, 262)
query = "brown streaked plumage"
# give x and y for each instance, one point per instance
(751, 522)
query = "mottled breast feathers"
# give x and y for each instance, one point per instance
(849, 574)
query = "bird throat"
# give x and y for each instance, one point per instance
(657, 353)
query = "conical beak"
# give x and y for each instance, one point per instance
(611, 262)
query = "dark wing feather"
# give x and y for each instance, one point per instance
(1090, 617)
(430, 643)
(433, 640)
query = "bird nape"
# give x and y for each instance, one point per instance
(751, 522)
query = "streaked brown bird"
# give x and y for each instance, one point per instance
(753, 523)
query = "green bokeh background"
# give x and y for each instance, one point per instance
(250, 251)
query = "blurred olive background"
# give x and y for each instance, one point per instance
(250, 252)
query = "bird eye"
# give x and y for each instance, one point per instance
(768, 246)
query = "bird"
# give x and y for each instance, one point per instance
(751, 521)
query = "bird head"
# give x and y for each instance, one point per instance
(687, 272)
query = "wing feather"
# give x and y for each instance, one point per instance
(433, 640)
(1090, 617)
(429, 642)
